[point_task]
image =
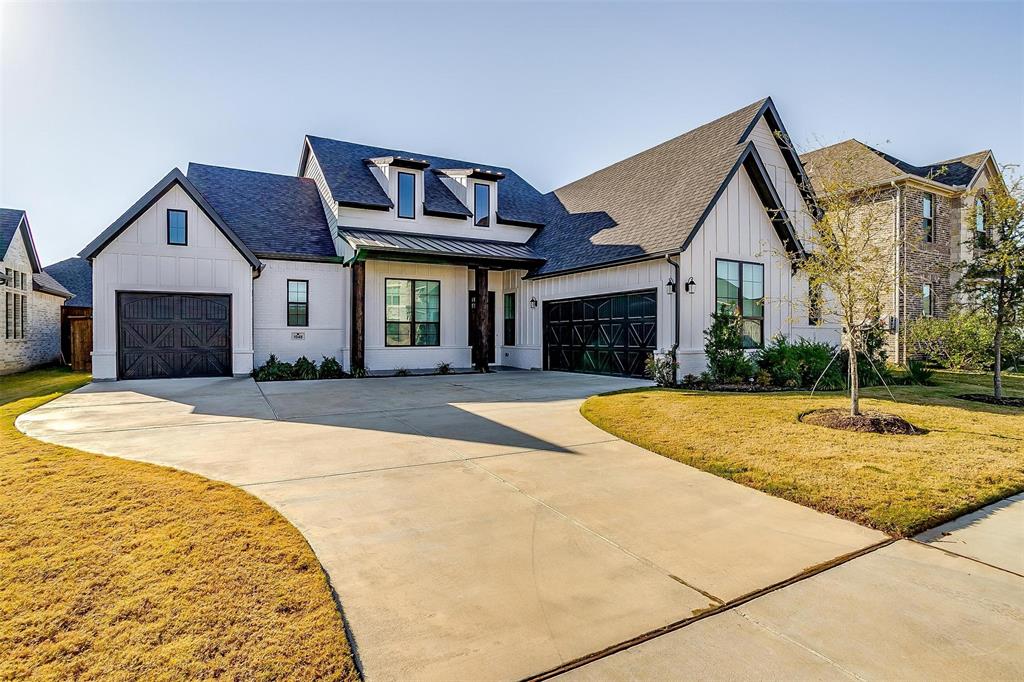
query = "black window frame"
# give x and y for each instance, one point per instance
(398, 196)
(303, 304)
(485, 221)
(739, 294)
(184, 213)
(508, 325)
(412, 321)
(813, 304)
(928, 222)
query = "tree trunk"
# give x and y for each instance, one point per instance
(997, 376)
(854, 378)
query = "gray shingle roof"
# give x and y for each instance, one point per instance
(351, 181)
(75, 274)
(10, 218)
(383, 241)
(41, 281)
(273, 215)
(858, 164)
(644, 205)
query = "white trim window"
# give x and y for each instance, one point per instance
(979, 216)
(927, 301)
(928, 216)
(15, 305)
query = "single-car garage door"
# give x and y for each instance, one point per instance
(610, 334)
(173, 335)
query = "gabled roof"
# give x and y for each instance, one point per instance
(75, 275)
(42, 281)
(276, 216)
(11, 220)
(175, 177)
(352, 183)
(654, 202)
(865, 166)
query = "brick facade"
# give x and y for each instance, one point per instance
(42, 329)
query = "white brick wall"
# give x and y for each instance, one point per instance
(329, 306)
(42, 330)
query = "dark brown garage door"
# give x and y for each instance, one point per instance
(611, 334)
(173, 335)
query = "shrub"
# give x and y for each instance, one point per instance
(691, 380)
(443, 368)
(780, 360)
(762, 378)
(360, 373)
(330, 368)
(273, 370)
(401, 372)
(728, 363)
(962, 341)
(661, 369)
(305, 369)
(919, 374)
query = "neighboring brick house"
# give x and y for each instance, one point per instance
(30, 299)
(928, 218)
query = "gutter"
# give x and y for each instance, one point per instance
(898, 280)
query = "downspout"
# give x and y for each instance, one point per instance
(678, 316)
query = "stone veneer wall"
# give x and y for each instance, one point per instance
(926, 262)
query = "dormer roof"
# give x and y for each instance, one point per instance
(400, 162)
(351, 183)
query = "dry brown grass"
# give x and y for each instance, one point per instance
(972, 455)
(112, 569)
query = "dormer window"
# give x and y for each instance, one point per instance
(406, 195)
(481, 204)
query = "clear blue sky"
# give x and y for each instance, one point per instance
(98, 101)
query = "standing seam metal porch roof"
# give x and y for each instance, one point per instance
(435, 245)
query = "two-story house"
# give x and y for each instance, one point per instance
(30, 299)
(927, 214)
(391, 259)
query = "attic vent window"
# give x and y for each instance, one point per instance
(177, 227)
(406, 195)
(481, 204)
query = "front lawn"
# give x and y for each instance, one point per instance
(972, 455)
(112, 569)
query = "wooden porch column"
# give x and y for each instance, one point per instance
(358, 353)
(482, 350)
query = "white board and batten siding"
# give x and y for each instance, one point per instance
(456, 281)
(329, 309)
(316, 174)
(139, 259)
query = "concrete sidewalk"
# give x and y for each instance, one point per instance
(922, 609)
(476, 526)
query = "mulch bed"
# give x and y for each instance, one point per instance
(867, 422)
(992, 400)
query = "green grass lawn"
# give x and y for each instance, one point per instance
(972, 455)
(114, 570)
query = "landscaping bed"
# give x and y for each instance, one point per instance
(990, 399)
(970, 455)
(113, 569)
(866, 422)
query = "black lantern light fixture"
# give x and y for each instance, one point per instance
(533, 301)
(690, 286)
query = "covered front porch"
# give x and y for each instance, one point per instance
(415, 304)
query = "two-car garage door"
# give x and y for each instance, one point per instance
(611, 334)
(173, 335)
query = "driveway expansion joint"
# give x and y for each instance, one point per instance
(728, 606)
(963, 556)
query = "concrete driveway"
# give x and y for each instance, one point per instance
(473, 526)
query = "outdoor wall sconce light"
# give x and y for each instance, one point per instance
(670, 286)
(533, 301)
(690, 286)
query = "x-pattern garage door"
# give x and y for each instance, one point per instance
(610, 334)
(173, 335)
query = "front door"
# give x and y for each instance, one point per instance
(474, 333)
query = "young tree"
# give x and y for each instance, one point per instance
(992, 281)
(851, 265)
